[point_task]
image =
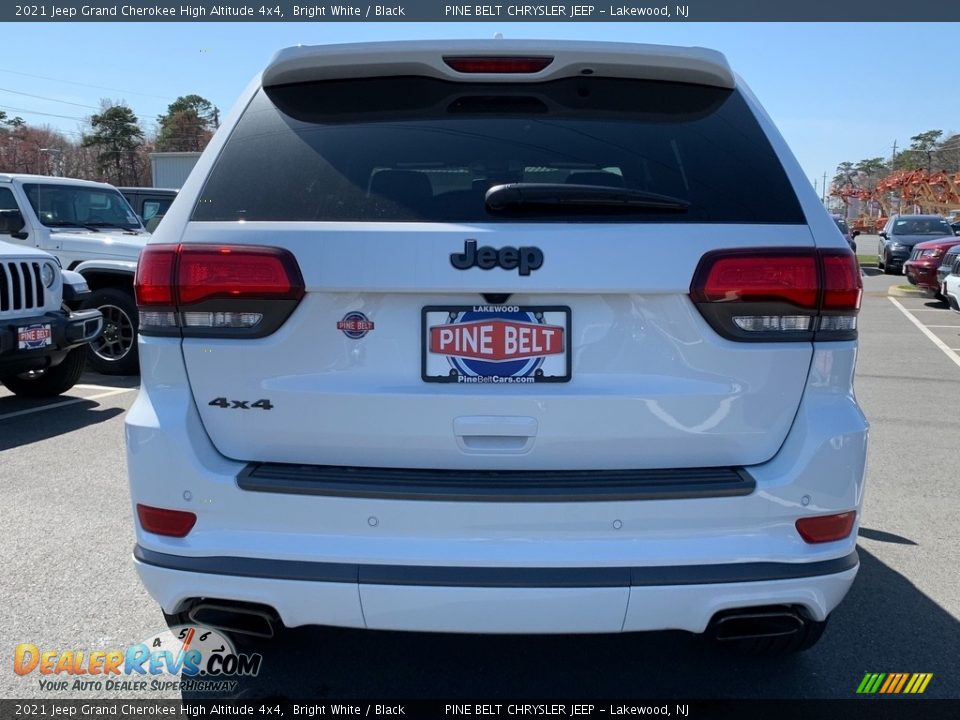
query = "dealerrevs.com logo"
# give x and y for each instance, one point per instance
(204, 659)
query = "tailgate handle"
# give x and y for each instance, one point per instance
(495, 434)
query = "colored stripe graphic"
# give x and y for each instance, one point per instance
(903, 681)
(891, 680)
(894, 683)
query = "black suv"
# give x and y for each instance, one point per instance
(901, 233)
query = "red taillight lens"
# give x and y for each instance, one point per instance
(216, 290)
(154, 280)
(502, 65)
(236, 272)
(778, 295)
(172, 523)
(842, 284)
(760, 277)
(826, 528)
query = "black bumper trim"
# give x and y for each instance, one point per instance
(495, 485)
(516, 577)
(69, 330)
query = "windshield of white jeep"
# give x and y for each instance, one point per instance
(78, 206)
(422, 149)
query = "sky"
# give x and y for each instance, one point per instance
(837, 91)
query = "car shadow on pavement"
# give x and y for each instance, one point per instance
(17, 430)
(109, 381)
(887, 537)
(885, 624)
(871, 271)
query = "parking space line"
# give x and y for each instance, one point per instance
(923, 328)
(83, 386)
(942, 326)
(64, 403)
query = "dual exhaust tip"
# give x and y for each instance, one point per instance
(733, 625)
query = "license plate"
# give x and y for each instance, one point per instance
(31, 337)
(496, 344)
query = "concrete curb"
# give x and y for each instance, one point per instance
(896, 291)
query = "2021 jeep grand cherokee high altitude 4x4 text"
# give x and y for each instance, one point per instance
(499, 336)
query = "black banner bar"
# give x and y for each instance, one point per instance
(854, 709)
(438, 11)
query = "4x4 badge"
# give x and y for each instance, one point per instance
(527, 259)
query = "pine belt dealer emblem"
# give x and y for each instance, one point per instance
(355, 325)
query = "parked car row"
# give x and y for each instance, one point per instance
(43, 333)
(94, 230)
(902, 233)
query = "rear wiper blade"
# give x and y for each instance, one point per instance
(516, 196)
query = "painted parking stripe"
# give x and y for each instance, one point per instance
(930, 336)
(72, 401)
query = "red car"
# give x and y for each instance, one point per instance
(921, 268)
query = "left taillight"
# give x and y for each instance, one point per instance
(779, 294)
(216, 290)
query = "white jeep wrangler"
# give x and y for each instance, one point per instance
(42, 338)
(91, 229)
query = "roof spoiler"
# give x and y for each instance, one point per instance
(698, 66)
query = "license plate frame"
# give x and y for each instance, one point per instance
(34, 343)
(552, 366)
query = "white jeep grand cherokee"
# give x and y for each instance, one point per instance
(508, 337)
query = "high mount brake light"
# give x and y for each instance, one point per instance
(777, 295)
(497, 65)
(216, 290)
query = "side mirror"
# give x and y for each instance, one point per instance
(855, 233)
(882, 234)
(12, 224)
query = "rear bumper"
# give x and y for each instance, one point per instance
(497, 599)
(67, 332)
(642, 563)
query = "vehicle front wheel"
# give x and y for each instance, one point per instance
(49, 382)
(115, 351)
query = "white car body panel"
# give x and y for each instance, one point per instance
(951, 290)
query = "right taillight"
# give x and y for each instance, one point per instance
(216, 290)
(779, 295)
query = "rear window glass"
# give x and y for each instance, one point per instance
(421, 149)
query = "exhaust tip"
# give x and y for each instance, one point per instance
(750, 623)
(236, 617)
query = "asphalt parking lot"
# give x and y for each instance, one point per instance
(69, 584)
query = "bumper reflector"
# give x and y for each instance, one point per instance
(826, 528)
(172, 523)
